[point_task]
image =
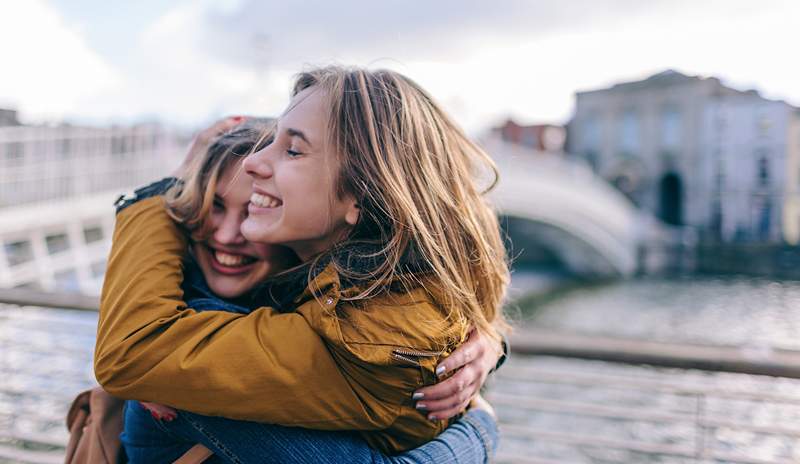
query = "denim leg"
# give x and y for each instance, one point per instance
(472, 439)
(251, 442)
(145, 440)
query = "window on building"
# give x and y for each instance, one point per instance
(57, 243)
(92, 234)
(720, 177)
(18, 252)
(671, 132)
(629, 133)
(763, 172)
(65, 147)
(763, 123)
(121, 144)
(15, 152)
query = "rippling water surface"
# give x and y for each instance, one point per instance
(749, 312)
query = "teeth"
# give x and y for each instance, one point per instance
(229, 260)
(264, 201)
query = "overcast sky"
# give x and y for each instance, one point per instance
(186, 62)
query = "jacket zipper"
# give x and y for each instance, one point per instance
(400, 357)
(405, 352)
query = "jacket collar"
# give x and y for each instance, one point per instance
(313, 279)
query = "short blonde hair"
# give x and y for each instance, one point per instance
(190, 202)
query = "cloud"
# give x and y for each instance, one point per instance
(202, 59)
(48, 67)
(287, 34)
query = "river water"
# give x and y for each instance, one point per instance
(739, 311)
(45, 359)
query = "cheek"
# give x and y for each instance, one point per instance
(311, 205)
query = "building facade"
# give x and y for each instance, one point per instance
(694, 152)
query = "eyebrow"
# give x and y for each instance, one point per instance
(297, 133)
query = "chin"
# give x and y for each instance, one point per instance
(255, 232)
(224, 290)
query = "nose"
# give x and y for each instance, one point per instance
(228, 231)
(259, 164)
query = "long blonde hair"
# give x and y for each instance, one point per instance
(415, 176)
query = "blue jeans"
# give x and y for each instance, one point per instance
(471, 439)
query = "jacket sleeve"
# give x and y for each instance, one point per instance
(265, 366)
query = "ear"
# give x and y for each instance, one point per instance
(353, 212)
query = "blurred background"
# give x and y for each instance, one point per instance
(650, 193)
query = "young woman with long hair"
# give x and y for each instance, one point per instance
(377, 192)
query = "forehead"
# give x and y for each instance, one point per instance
(307, 112)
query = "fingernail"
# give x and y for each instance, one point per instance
(421, 406)
(169, 418)
(417, 396)
(440, 370)
(432, 418)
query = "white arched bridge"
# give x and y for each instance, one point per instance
(61, 243)
(553, 190)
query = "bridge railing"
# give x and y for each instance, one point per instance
(555, 375)
(39, 163)
(699, 423)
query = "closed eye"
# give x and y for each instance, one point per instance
(293, 153)
(218, 204)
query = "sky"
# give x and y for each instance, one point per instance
(189, 62)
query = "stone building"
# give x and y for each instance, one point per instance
(695, 153)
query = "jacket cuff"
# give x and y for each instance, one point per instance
(159, 187)
(506, 347)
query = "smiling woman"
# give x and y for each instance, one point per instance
(213, 202)
(211, 205)
(402, 258)
(293, 179)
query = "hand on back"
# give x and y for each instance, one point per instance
(471, 364)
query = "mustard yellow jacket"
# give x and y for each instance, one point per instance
(326, 365)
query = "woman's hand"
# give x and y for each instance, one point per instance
(204, 139)
(472, 362)
(160, 412)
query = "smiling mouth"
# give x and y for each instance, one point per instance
(230, 260)
(265, 201)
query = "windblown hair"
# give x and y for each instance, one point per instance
(190, 202)
(415, 175)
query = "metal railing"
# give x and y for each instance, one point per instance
(527, 388)
(703, 421)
